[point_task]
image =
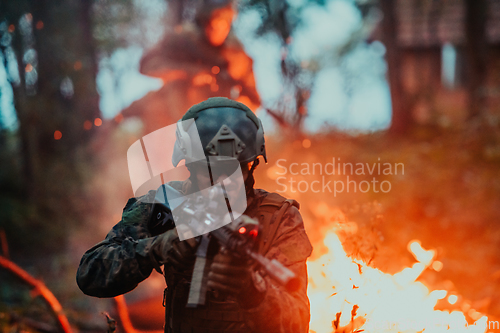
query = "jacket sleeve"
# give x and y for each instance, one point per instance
(281, 311)
(116, 265)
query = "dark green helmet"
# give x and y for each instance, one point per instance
(225, 128)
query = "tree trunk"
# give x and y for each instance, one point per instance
(27, 129)
(65, 51)
(477, 48)
(401, 117)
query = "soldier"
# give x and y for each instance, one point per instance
(240, 298)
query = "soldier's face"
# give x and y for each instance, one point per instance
(232, 185)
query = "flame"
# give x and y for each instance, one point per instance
(437, 265)
(347, 295)
(420, 254)
(452, 299)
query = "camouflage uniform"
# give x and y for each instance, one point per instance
(124, 259)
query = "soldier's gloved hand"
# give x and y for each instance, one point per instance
(167, 248)
(232, 276)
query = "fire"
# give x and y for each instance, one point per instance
(420, 254)
(347, 295)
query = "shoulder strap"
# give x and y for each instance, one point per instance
(271, 212)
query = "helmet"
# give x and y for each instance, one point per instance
(224, 127)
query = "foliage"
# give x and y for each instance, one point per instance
(110, 21)
(291, 23)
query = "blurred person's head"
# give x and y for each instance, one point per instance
(215, 19)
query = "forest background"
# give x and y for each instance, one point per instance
(364, 81)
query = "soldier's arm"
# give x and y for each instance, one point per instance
(117, 264)
(281, 311)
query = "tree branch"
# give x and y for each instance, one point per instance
(122, 310)
(40, 287)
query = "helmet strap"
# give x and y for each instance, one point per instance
(254, 165)
(250, 181)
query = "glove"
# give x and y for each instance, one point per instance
(168, 249)
(234, 277)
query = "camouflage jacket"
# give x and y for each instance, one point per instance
(120, 262)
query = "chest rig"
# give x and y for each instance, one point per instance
(221, 315)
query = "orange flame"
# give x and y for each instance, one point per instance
(366, 299)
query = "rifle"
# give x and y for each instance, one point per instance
(237, 237)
